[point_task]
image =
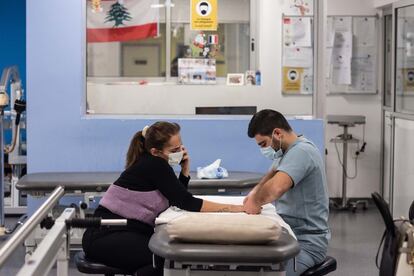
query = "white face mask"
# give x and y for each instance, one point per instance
(270, 153)
(175, 158)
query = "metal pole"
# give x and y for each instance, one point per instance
(114, 222)
(320, 29)
(53, 249)
(18, 238)
(168, 40)
(2, 169)
(344, 165)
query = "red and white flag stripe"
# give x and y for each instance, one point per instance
(143, 23)
(213, 39)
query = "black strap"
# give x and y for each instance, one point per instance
(379, 247)
(92, 222)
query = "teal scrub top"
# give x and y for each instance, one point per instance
(305, 207)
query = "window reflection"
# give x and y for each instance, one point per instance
(405, 60)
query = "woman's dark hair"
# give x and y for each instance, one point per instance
(265, 121)
(156, 136)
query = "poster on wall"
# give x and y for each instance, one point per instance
(364, 31)
(351, 54)
(363, 75)
(328, 62)
(297, 57)
(408, 74)
(196, 71)
(204, 15)
(341, 58)
(307, 81)
(298, 7)
(330, 32)
(292, 79)
(342, 24)
(297, 32)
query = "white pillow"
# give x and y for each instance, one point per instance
(223, 229)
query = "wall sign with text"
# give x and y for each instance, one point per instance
(204, 15)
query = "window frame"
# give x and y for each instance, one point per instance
(318, 100)
(395, 97)
(254, 47)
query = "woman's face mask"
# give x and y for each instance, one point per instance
(175, 158)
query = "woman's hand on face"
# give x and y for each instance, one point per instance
(185, 162)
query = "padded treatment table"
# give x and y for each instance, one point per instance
(90, 186)
(41, 183)
(214, 259)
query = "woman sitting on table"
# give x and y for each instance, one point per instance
(147, 187)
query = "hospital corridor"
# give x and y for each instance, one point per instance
(207, 137)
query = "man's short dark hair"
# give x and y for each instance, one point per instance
(265, 121)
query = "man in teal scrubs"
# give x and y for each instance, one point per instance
(297, 184)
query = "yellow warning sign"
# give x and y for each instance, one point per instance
(408, 79)
(204, 15)
(292, 79)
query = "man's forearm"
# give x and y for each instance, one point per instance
(273, 189)
(265, 178)
(267, 194)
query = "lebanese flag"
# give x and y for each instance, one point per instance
(121, 20)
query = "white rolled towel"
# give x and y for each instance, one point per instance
(223, 228)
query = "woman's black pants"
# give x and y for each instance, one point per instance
(121, 248)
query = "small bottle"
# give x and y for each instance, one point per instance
(258, 78)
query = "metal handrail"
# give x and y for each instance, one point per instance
(18, 238)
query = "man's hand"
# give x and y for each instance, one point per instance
(251, 206)
(250, 194)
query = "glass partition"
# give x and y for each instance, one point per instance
(141, 52)
(404, 75)
(403, 167)
(231, 45)
(398, 115)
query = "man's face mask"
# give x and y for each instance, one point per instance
(175, 158)
(270, 152)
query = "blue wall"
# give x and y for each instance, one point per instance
(13, 40)
(59, 139)
(13, 35)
